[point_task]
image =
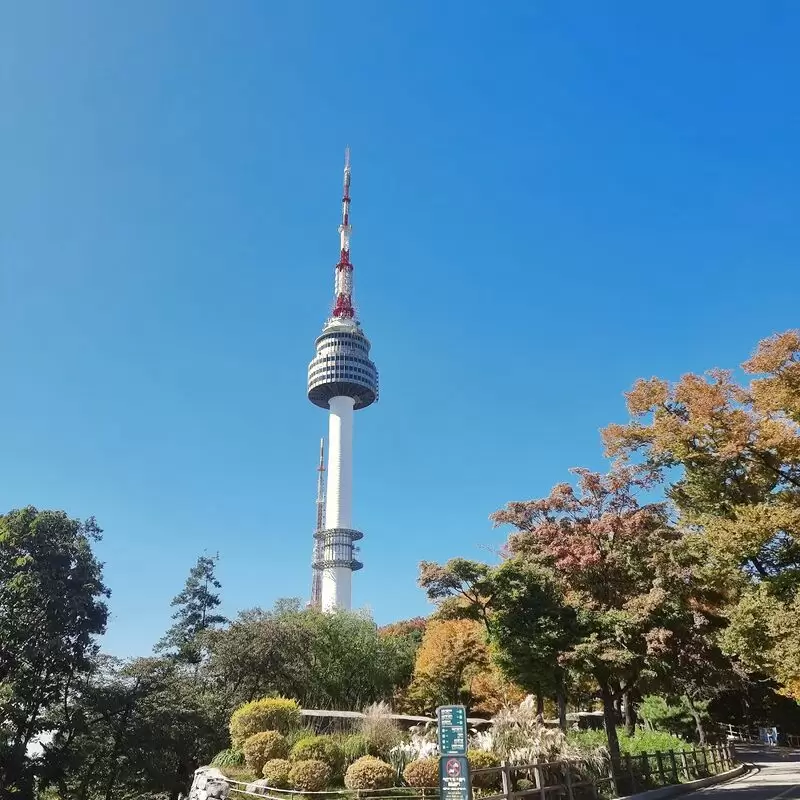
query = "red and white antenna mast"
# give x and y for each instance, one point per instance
(343, 287)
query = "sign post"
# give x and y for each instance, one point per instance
(454, 779)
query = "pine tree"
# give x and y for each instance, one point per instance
(195, 613)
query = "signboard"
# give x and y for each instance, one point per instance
(454, 783)
(452, 722)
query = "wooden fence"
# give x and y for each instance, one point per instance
(583, 780)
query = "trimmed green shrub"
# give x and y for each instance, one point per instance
(228, 758)
(276, 772)
(296, 734)
(369, 773)
(524, 785)
(422, 773)
(268, 714)
(262, 747)
(309, 776)
(482, 759)
(355, 746)
(319, 748)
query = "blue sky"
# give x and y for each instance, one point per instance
(549, 200)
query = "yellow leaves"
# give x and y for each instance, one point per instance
(646, 394)
(750, 529)
(451, 645)
(775, 353)
(491, 692)
(779, 359)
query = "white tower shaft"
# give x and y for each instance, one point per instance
(337, 580)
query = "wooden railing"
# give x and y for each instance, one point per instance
(584, 780)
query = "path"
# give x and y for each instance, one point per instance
(775, 775)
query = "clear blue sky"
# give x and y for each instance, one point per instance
(550, 199)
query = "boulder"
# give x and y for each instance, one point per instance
(209, 783)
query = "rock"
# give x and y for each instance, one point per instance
(209, 784)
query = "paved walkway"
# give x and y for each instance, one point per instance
(774, 775)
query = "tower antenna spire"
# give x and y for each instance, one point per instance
(343, 286)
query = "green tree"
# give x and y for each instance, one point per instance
(324, 661)
(523, 612)
(195, 613)
(133, 729)
(51, 608)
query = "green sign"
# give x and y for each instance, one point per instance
(454, 783)
(452, 721)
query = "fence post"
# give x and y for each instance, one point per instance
(675, 778)
(539, 780)
(685, 764)
(660, 762)
(646, 768)
(614, 769)
(704, 751)
(568, 778)
(505, 776)
(629, 768)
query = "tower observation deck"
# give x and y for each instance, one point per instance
(341, 379)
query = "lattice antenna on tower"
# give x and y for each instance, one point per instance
(316, 563)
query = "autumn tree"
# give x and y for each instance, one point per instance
(735, 449)
(611, 559)
(453, 665)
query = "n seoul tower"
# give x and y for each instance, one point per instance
(341, 379)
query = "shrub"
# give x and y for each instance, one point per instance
(296, 734)
(422, 773)
(319, 748)
(309, 776)
(369, 773)
(380, 730)
(481, 759)
(262, 747)
(276, 772)
(355, 746)
(524, 785)
(228, 758)
(268, 714)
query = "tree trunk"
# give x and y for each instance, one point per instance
(630, 714)
(561, 700)
(698, 723)
(610, 722)
(539, 708)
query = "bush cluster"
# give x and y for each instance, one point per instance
(422, 773)
(262, 747)
(482, 759)
(355, 746)
(309, 776)
(268, 714)
(369, 773)
(228, 758)
(319, 748)
(276, 773)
